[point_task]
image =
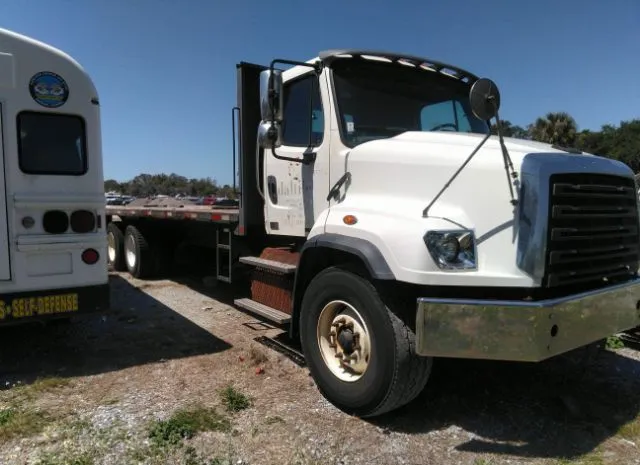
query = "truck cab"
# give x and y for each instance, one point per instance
(414, 233)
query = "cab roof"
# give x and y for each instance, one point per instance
(329, 56)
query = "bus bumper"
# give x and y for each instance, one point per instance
(524, 330)
(54, 303)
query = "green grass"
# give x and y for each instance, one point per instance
(17, 422)
(19, 419)
(185, 424)
(234, 400)
(614, 342)
(27, 392)
(631, 431)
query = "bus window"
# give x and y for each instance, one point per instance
(51, 144)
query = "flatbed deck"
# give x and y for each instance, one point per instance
(206, 213)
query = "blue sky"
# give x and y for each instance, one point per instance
(165, 69)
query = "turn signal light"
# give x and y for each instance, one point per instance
(90, 256)
(350, 220)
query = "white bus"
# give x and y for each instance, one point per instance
(53, 259)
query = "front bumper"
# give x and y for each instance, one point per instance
(521, 330)
(56, 303)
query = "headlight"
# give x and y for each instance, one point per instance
(452, 250)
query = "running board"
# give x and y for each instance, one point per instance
(269, 313)
(268, 264)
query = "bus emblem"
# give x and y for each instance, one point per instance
(48, 89)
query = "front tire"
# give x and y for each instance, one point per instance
(367, 374)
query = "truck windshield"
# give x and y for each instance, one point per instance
(378, 100)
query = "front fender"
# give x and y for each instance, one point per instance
(398, 234)
(366, 251)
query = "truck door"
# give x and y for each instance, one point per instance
(289, 187)
(5, 266)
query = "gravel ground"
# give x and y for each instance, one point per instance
(90, 392)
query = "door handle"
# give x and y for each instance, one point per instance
(271, 187)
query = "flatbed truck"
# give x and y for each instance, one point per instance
(384, 226)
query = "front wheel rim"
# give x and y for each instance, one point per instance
(344, 341)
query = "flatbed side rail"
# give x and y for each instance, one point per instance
(205, 214)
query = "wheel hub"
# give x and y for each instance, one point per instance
(344, 341)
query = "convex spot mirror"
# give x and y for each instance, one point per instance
(484, 98)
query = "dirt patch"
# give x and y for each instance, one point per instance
(176, 361)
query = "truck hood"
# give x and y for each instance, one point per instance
(404, 174)
(460, 144)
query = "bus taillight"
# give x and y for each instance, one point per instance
(83, 221)
(90, 256)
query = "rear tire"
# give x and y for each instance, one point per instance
(115, 247)
(385, 372)
(138, 256)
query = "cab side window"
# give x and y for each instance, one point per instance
(302, 113)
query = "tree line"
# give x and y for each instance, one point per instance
(620, 142)
(145, 185)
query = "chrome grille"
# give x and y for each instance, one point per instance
(592, 230)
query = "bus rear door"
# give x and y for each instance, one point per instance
(5, 265)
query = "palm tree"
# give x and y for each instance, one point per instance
(509, 130)
(555, 128)
(506, 128)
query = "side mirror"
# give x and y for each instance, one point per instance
(269, 135)
(484, 98)
(271, 96)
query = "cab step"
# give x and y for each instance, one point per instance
(264, 311)
(269, 264)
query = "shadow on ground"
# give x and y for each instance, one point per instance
(137, 331)
(259, 327)
(561, 408)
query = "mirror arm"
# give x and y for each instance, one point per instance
(316, 66)
(425, 212)
(308, 158)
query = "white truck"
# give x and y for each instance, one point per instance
(53, 239)
(384, 225)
